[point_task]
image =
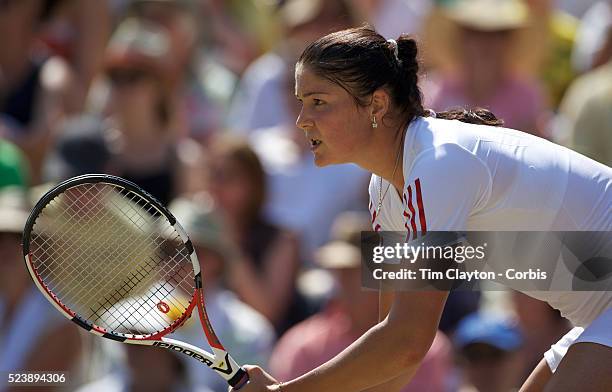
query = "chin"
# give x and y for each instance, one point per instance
(321, 160)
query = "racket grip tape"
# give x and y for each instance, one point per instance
(239, 380)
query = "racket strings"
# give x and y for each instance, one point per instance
(64, 247)
(140, 309)
(115, 297)
(134, 279)
(113, 258)
(79, 237)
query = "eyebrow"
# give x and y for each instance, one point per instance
(311, 93)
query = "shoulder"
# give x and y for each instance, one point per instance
(444, 186)
(450, 167)
(446, 159)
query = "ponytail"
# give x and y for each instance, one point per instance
(478, 116)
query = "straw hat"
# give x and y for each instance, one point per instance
(139, 44)
(489, 15)
(348, 225)
(338, 255)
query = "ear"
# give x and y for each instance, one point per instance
(381, 102)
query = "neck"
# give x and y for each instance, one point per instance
(384, 155)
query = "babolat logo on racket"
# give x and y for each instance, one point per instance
(163, 307)
(184, 351)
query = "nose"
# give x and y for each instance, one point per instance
(303, 121)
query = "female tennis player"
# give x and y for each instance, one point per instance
(361, 104)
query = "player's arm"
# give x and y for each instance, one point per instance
(384, 307)
(538, 378)
(449, 197)
(393, 347)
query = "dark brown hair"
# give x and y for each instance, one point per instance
(238, 151)
(361, 61)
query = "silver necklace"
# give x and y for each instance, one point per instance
(382, 196)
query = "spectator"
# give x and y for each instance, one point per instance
(201, 102)
(77, 32)
(486, 26)
(260, 99)
(585, 100)
(543, 48)
(23, 310)
(591, 37)
(238, 31)
(83, 146)
(244, 331)
(592, 134)
(393, 17)
(33, 87)
(146, 369)
(264, 277)
(13, 166)
(575, 8)
(488, 351)
(350, 313)
(143, 107)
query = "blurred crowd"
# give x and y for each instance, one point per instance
(193, 101)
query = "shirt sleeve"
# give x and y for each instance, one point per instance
(444, 186)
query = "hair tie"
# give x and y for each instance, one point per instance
(394, 47)
(431, 113)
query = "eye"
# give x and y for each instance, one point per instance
(317, 102)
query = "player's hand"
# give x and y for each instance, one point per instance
(259, 381)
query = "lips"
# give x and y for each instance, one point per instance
(314, 144)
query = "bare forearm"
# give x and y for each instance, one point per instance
(380, 355)
(384, 306)
(396, 384)
(536, 382)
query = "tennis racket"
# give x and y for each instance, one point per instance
(116, 262)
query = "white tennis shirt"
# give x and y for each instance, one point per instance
(466, 177)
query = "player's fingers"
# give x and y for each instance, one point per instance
(259, 380)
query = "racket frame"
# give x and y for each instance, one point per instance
(220, 361)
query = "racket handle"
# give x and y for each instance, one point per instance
(239, 380)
